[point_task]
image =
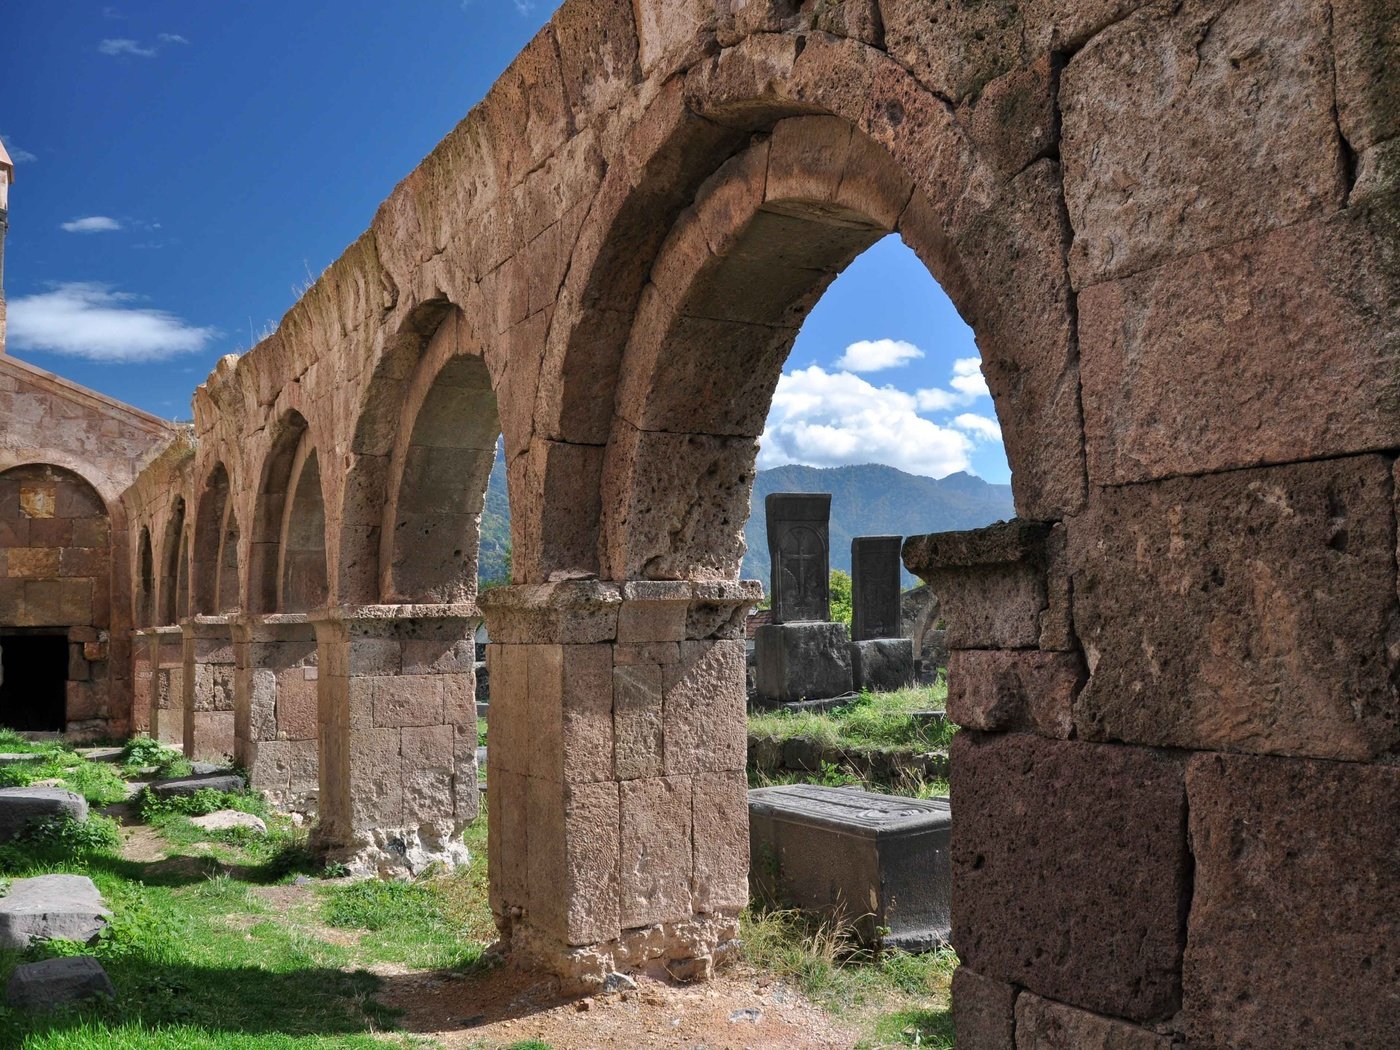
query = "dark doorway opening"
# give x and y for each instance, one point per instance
(34, 689)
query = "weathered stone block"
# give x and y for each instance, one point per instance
(1267, 600)
(882, 664)
(1292, 852)
(408, 700)
(52, 983)
(1045, 1025)
(1162, 147)
(1366, 38)
(1270, 349)
(181, 786)
(1060, 844)
(637, 713)
(19, 806)
(984, 1014)
(991, 582)
(877, 861)
(51, 907)
(703, 711)
(1000, 689)
(719, 808)
(802, 661)
(656, 850)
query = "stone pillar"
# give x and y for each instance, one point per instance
(143, 663)
(208, 687)
(274, 708)
(618, 799)
(167, 703)
(397, 724)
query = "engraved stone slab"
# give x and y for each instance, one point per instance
(799, 544)
(879, 861)
(801, 661)
(875, 604)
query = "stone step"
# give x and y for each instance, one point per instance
(51, 907)
(879, 862)
(19, 758)
(20, 806)
(102, 754)
(53, 983)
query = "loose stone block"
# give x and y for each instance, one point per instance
(1059, 844)
(878, 861)
(802, 661)
(181, 786)
(52, 983)
(1001, 689)
(799, 545)
(1267, 600)
(882, 664)
(51, 907)
(1162, 150)
(875, 567)
(984, 1011)
(1293, 852)
(1045, 1025)
(20, 806)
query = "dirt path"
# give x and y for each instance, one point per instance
(738, 1010)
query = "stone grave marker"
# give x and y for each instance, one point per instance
(800, 546)
(875, 604)
(878, 861)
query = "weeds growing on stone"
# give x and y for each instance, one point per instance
(870, 721)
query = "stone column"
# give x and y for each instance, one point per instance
(143, 663)
(208, 687)
(618, 798)
(167, 703)
(397, 724)
(274, 707)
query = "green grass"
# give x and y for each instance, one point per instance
(870, 721)
(894, 996)
(98, 782)
(202, 957)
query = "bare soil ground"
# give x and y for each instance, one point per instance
(738, 1010)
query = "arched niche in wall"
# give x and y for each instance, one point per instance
(287, 570)
(216, 547)
(145, 581)
(173, 554)
(439, 468)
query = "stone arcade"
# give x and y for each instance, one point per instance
(1173, 229)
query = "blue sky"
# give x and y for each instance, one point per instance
(182, 170)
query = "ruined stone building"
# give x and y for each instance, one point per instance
(1173, 228)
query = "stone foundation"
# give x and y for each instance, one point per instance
(275, 708)
(396, 714)
(207, 682)
(618, 811)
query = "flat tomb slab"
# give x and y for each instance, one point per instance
(878, 861)
(51, 907)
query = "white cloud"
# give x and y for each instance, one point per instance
(873, 355)
(93, 321)
(91, 224)
(967, 386)
(827, 419)
(125, 46)
(19, 156)
(171, 38)
(981, 428)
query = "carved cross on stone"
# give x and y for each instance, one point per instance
(799, 547)
(875, 587)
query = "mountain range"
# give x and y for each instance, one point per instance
(866, 500)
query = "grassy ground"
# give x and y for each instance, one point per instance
(871, 722)
(236, 941)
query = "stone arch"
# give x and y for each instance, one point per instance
(55, 606)
(438, 471)
(216, 545)
(290, 507)
(145, 581)
(173, 577)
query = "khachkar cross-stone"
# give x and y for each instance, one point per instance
(799, 545)
(875, 603)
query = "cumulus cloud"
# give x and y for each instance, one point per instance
(981, 428)
(827, 419)
(96, 322)
(874, 355)
(91, 224)
(967, 385)
(125, 46)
